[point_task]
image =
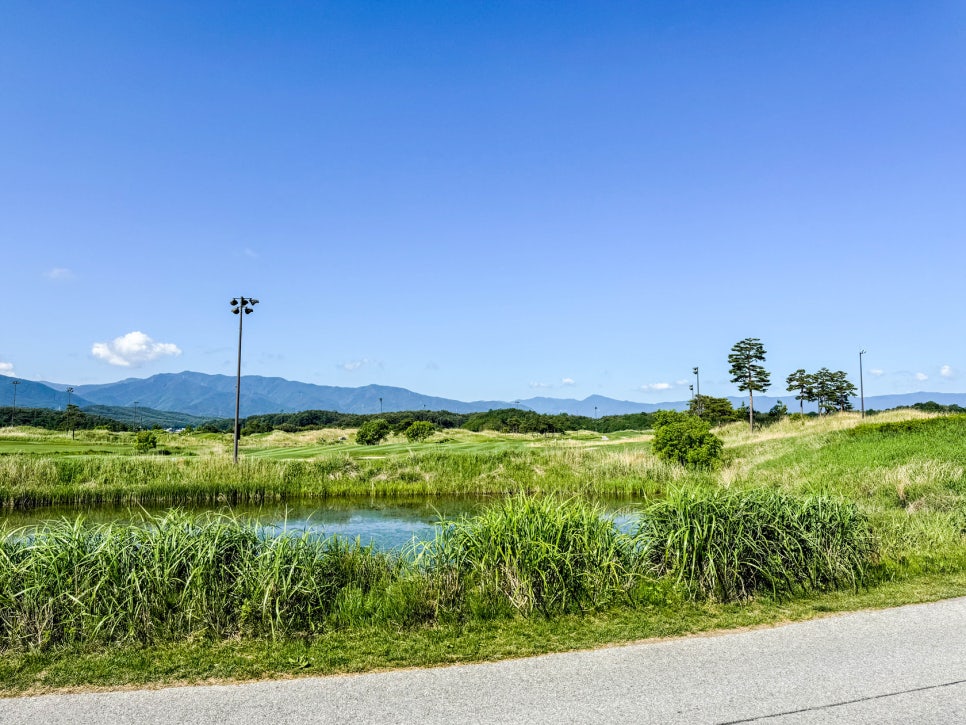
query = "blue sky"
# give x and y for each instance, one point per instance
(484, 200)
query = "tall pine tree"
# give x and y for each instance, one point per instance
(745, 358)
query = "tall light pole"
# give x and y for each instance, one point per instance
(380, 406)
(69, 417)
(861, 383)
(13, 415)
(240, 306)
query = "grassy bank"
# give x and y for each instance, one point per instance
(371, 648)
(564, 466)
(215, 576)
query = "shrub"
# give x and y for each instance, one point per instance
(687, 440)
(373, 432)
(145, 440)
(420, 431)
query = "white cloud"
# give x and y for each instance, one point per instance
(6, 368)
(921, 376)
(540, 385)
(132, 350)
(877, 372)
(250, 253)
(947, 372)
(568, 381)
(59, 273)
(352, 365)
(680, 382)
(656, 386)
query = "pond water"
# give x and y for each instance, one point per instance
(382, 522)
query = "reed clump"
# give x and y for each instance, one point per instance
(730, 546)
(536, 554)
(173, 577)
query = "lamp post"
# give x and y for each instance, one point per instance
(13, 414)
(861, 383)
(240, 306)
(69, 417)
(380, 406)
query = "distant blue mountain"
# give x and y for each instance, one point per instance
(213, 396)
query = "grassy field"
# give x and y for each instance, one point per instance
(803, 517)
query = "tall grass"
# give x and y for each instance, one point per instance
(729, 546)
(216, 576)
(536, 554)
(31, 481)
(172, 577)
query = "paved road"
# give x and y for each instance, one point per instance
(905, 665)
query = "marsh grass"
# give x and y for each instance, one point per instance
(172, 577)
(28, 481)
(730, 546)
(543, 554)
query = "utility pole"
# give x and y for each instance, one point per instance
(861, 383)
(697, 379)
(70, 418)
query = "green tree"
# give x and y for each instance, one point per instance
(687, 440)
(800, 383)
(420, 430)
(745, 358)
(373, 432)
(841, 390)
(145, 440)
(713, 410)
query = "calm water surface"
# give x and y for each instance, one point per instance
(385, 523)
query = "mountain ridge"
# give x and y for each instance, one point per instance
(213, 396)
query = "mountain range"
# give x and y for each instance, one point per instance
(213, 396)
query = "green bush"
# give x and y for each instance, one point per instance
(687, 440)
(373, 432)
(420, 431)
(145, 440)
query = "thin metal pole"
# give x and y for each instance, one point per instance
(861, 383)
(241, 316)
(13, 415)
(70, 418)
(697, 379)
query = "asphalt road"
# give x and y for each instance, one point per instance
(904, 665)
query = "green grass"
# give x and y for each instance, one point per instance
(374, 647)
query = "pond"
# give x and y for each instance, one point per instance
(386, 523)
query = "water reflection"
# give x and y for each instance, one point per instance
(386, 523)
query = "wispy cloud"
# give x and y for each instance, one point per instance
(132, 350)
(352, 365)
(877, 372)
(947, 372)
(681, 382)
(6, 368)
(59, 274)
(656, 386)
(921, 377)
(568, 381)
(536, 385)
(250, 253)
